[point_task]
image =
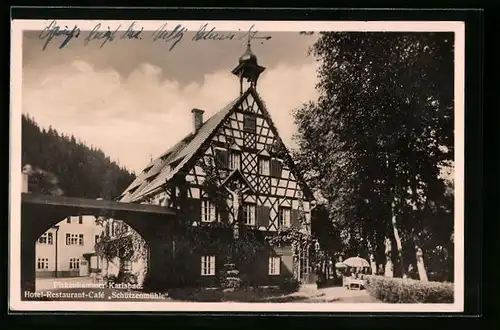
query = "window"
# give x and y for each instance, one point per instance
(43, 239)
(249, 214)
(234, 160)
(42, 263)
(274, 265)
(80, 219)
(80, 239)
(74, 263)
(208, 211)
(46, 238)
(72, 239)
(68, 220)
(96, 239)
(264, 166)
(250, 123)
(208, 265)
(284, 217)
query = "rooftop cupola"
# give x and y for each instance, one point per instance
(248, 68)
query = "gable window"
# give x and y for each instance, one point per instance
(276, 167)
(264, 166)
(207, 265)
(68, 220)
(274, 265)
(208, 211)
(42, 263)
(249, 214)
(234, 160)
(80, 219)
(221, 157)
(74, 263)
(284, 217)
(249, 123)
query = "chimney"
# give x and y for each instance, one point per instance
(197, 118)
(24, 187)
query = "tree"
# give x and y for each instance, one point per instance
(80, 171)
(374, 142)
(42, 182)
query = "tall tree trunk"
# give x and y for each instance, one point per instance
(296, 257)
(373, 264)
(397, 238)
(388, 258)
(422, 273)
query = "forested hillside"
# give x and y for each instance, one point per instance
(77, 170)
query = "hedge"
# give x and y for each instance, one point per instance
(398, 290)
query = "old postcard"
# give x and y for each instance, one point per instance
(237, 166)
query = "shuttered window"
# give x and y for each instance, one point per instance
(250, 123)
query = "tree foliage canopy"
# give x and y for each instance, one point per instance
(377, 138)
(76, 169)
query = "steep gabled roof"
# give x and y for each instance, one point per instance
(171, 162)
(174, 159)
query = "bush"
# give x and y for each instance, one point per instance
(290, 284)
(230, 277)
(110, 279)
(126, 278)
(398, 290)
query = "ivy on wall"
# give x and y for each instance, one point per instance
(125, 244)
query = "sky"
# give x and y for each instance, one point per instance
(133, 98)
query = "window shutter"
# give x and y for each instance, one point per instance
(276, 168)
(221, 157)
(194, 205)
(262, 216)
(294, 214)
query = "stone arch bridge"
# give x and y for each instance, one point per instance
(40, 212)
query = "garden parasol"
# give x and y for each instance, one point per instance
(356, 262)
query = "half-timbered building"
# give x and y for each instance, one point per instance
(241, 145)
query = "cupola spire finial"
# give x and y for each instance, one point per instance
(248, 66)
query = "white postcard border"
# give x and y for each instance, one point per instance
(16, 304)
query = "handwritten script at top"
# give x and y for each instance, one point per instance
(171, 34)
